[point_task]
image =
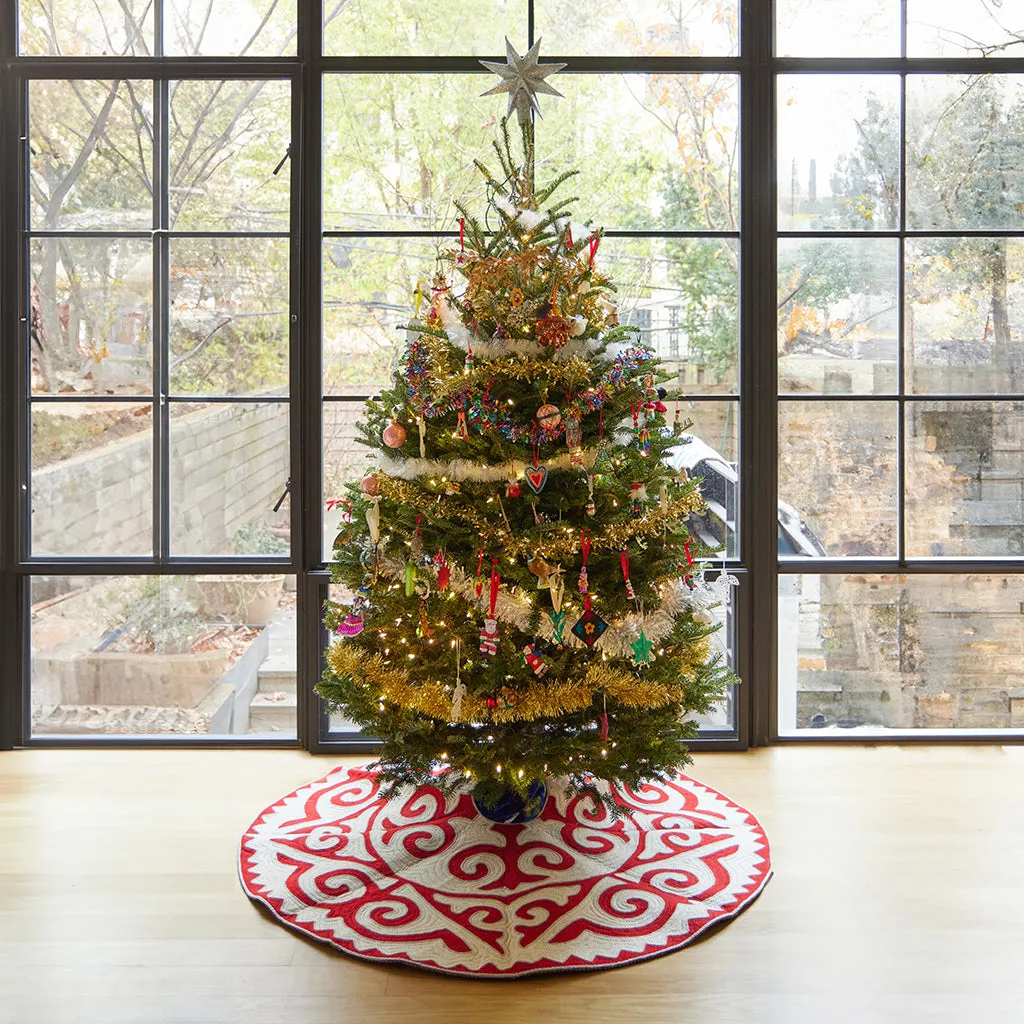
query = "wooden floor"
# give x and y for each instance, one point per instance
(898, 896)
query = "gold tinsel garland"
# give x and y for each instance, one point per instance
(564, 546)
(571, 375)
(537, 700)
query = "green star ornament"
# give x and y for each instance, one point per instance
(523, 79)
(642, 648)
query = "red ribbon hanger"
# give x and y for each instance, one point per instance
(479, 584)
(687, 578)
(495, 583)
(625, 574)
(583, 586)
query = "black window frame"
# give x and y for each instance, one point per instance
(758, 564)
(306, 71)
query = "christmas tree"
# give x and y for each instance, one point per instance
(528, 603)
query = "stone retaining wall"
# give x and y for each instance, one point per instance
(229, 465)
(908, 651)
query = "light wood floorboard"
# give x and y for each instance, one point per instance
(898, 896)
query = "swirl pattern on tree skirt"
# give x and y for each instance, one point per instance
(426, 880)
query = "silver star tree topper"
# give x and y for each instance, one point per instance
(523, 79)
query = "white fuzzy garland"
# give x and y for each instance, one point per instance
(531, 219)
(514, 607)
(486, 348)
(463, 470)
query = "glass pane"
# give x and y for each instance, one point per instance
(721, 720)
(90, 153)
(837, 28)
(90, 328)
(71, 28)
(92, 478)
(229, 315)
(673, 161)
(838, 315)
(965, 315)
(964, 28)
(837, 478)
(395, 27)
(965, 136)
(682, 294)
(163, 655)
(709, 449)
(661, 28)
(227, 139)
(398, 149)
(369, 294)
(839, 152)
(336, 721)
(900, 652)
(233, 28)
(345, 461)
(964, 494)
(230, 467)
(706, 275)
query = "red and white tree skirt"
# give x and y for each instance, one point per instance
(426, 880)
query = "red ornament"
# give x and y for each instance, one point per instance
(537, 478)
(444, 571)
(370, 485)
(533, 661)
(394, 435)
(512, 489)
(554, 330)
(549, 416)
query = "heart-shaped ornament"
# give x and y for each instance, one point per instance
(537, 478)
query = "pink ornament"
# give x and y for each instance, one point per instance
(370, 485)
(394, 435)
(352, 625)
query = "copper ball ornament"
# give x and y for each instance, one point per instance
(370, 485)
(394, 435)
(549, 416)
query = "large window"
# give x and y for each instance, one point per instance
(154, 232)
(216, 219)
(900, 358)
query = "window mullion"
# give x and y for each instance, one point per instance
(306, 384)
(161, 347)
(758, 421)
